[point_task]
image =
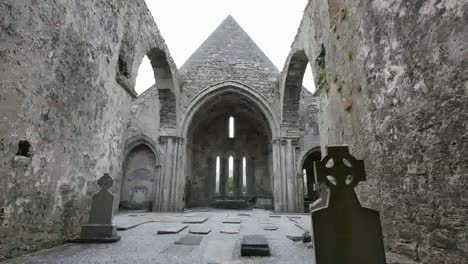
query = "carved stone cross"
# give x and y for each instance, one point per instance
(345, 232)
(105, 182)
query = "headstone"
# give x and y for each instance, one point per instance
(99, 228)
(189, 240)
(172, 229)
(345, 232)
(255, 245)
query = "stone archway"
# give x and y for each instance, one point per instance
(291, 95)
(208, 140)
(140, 179)
(307, 170)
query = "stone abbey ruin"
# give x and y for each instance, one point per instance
(229, 130)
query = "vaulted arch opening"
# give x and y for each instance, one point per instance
(229, 152)
(292, 92)
(309, 176)
(139, 181)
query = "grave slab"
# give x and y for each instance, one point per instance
(194, 220)
(232, 221)
(270, 228)
(174, 229)
(255, 245)
(200, 230)
(230, 229)
(220, 251)
(189, 240)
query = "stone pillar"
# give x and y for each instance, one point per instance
(286, 195)
(250, 176)
(277, 183)
(210, 180)
(168, 197)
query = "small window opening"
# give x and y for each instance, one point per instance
(231, 127)
(304, 175)
(308, 81)
(145, 78)
(24, 149)
(217, 174)
(123, 68)
(231, 175)
(244, 175)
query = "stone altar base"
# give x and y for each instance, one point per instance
(230, 204)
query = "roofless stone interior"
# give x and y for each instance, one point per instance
(227, 128)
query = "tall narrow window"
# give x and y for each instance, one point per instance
(304, 174)
(217, 175)
(231, 127)
(244, 175)
(231, 175)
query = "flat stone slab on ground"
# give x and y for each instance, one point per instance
(232, 221)
(175, 229)
(270, 228)
(200, 230)
(178, 250)
(295, 238)
(275, 216)
(194, 220)
(255, 245)
(220, 251)
(189, 240)
(230, 229)
(243, 214)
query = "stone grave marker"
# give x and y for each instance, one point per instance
(255, 245)
(194, 220)
(200, 230)
(100, 228)
(172, 229)
(230, 229)
(345, 232)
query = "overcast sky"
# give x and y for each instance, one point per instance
(185, 24)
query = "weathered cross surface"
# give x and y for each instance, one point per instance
(345, 232)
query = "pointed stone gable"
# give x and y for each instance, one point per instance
(229, 54)
(229, 43)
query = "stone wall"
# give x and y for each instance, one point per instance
(229, 54)
(392, 80)
(67, 70)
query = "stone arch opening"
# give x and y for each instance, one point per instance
(309, 176)
(140, 177)
(207, 138)
(292, 92)
(165, 85)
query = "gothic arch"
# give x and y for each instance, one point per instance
(229, 86)
(166, 88)
(140, 173)
(291, 94)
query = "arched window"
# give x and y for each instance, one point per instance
(304, 174)
(244, 175)
(218, 173)
(231, 175)
(145, 77)
(231, 127)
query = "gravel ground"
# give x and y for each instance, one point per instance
(141, 244)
